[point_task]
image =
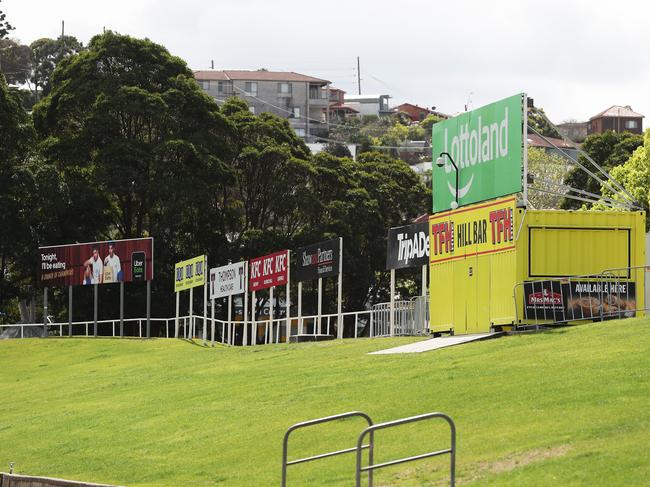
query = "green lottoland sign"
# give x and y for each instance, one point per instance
(486, 145)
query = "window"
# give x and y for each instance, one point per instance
(422, 116)
(205, 84)
(314, 92)
(251, 109)
(300, 132)
(224, 87)
(284, 88)
(631, 124)
(296, 112)
(250, 87)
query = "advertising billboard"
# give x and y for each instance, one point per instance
(96, 262)
(228, 280)
(268, 270)
(480, 229)
(579, 299)
(317, 260)
(190, 273)
(486, 145)
(408, 246)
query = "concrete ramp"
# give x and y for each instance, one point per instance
(436, 343)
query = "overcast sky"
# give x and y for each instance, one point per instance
(574, 57)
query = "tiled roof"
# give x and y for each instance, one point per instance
(535, 140)
(258, 75)
(618, 111)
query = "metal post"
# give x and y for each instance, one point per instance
(245, 296)
(70, 311)
(391, 318)
(121, 309)
(148, 309)
(320, 302)
(300, 308)
(44, 312)
(253, 316)
(424, 279)
(178, 304)
(191, 335)
(525, 140)
(271, 314)
(205, 302)
(340, 291)
(96, 290)
(212, 319)
(231, 340)
(288, 295)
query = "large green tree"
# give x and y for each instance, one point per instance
(47, 54)
(139, 147)
(5, 26)
(609, 150)
(15, 61)
(634, 175)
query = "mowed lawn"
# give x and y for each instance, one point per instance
(568, 407)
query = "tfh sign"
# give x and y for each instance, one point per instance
(269, 270)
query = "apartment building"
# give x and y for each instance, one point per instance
(303, 100)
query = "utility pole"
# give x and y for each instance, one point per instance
(62, 28)
(359, 74)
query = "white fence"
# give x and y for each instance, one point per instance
(411, 318)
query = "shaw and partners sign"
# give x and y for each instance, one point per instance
(486, 145)
(474, 230)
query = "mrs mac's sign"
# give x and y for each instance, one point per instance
(480, 229)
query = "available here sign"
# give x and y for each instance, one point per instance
(474, 230)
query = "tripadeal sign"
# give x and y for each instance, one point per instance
(486, 145)
(408, 246)
(480, 229)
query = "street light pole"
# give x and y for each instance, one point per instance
(441, 162)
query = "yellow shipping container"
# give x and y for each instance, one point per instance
(482, 255)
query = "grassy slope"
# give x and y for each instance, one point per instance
(571, 407)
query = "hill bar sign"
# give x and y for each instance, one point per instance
(486, 145)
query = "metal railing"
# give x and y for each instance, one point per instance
(609, 294)
(410, 317)
(285, 442)
(390, 424)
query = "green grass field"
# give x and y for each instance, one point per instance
(569, 407)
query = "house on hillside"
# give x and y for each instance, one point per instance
(303, 100)
(369, 104)
(552, 145)
(338, 109)
(417, 113)
(618, 119)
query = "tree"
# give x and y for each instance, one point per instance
(15, 61)
(634, 175)
(548, 171)
(538, 120)
(5, 26)
(139, 146)
(47, 54)
(609, 150)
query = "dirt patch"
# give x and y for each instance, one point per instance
(516, 460)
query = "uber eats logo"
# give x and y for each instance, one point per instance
(486, 146)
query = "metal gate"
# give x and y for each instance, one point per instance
(411, 317)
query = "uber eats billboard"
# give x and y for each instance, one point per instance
(486, 145)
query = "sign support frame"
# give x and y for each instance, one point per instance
(245, 317)
(392, 303)
(340, 292)
(69, 311)
(44, 312)
(96, 296)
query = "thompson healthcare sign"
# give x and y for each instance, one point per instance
(129, 260)
(228, 280)
(486, 146)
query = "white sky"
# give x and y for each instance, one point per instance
(574, 57)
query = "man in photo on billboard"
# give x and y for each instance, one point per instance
(113, 261)
(94, 273)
